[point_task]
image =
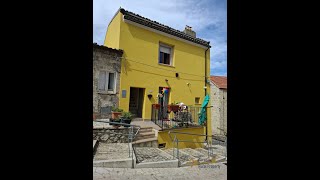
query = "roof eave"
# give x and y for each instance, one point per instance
(157, 26)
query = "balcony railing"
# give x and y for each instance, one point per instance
(170, 118)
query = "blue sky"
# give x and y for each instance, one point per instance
(207, 17)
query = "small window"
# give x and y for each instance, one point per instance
(111, 82)
(165, 54)
(106, 82)
(197, 100)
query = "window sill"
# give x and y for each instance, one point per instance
(106, 93)
(166, 65)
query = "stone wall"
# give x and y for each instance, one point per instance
(218, 110)
(108, 136)
(109, 60)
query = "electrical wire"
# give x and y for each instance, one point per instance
(161, 68)
(164, 75)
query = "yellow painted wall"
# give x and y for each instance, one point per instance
(140, 68)
(113, 32)
(163, 137)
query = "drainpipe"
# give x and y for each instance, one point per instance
(205, 83)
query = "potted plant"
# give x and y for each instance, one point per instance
(118, 120)
(173, 107)
(126, 118)
(116, 112)
(156, 106)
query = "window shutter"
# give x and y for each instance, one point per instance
(102, 81)
(165, 49)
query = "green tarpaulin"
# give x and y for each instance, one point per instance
(203, 111)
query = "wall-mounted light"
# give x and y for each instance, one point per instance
(149, 96)
(205, 87)
(188, 84)
(166, 80)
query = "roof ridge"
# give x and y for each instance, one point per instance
(166, 28)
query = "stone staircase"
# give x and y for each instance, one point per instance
(145, 138)
(148, 157)
(115, 155)
(147, 154)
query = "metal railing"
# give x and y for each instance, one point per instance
(208, 142)
(178, 119)
(131, 134)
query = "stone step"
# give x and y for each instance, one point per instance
(113, 155)
(218, 149)
(145, 129)
(194, 153)
(148, 157)
(145, 135)
(142, 138)
(205, 152)
(149, 142)
(184, 158)
(190, 157)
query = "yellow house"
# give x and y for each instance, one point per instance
(157, 56)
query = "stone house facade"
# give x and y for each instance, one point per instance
(106, 79)
(218, 100)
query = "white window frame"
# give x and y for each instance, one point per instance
(106, 88)
(171, 54)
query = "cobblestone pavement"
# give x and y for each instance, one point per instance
(147, 154)
(216, 171)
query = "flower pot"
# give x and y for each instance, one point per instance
(127, 121)
(156, 106)
(115, 115)
(115, 125)
(174, 108)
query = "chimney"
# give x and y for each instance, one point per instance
(188, 30)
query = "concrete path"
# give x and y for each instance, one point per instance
(216, 171)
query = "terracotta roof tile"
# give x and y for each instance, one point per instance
(95, 45)
(220, 81)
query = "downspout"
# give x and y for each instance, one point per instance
(205, 84)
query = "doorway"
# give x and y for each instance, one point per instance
(164, 101)
(136, 101)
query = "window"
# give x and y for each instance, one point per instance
(102, 80)
(197, 100)
(106, 82)
(111, 82)
(165, 54)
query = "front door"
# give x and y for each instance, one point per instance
(136, 101)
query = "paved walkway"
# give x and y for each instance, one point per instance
(216, 171)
